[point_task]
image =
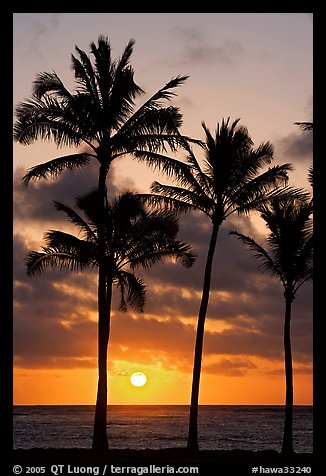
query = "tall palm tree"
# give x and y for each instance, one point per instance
(134, 237)
(100, 117)
(288, 258)
(229, 182)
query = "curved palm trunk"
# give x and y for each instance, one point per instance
(192, 433)
(100, 440)
(287, 447)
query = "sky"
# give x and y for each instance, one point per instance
(257, 67)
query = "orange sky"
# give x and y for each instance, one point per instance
(240, 365)
(78, 387)
(268, 84)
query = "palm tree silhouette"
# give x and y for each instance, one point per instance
(288, 258)
(228, 182)
(134, 237)
(101, 117)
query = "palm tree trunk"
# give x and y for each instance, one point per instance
(100, 440)
(287, 447)
(192, 433)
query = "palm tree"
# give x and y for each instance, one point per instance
(288, 258)
(229, 182)
(101, 117)
(134, 237)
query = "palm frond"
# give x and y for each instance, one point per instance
(311, 175)
(118, 88)
(154, 103)
(55, 167)
(154, 130)
(188, 197)
(308, 276)
(303, 263)
(305, 125)
(63, 251)
(85, 75)
(156, 200)
(166, 92)
(290, 238)
(47, 83)
(51, 119)
(88, 233)
(180, 171)
(59, 241)
(249, 163)
(200, 177)
(266, 261)
(132, 291)
(154, 250)
(258, 190)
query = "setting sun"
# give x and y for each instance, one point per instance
(138, 379)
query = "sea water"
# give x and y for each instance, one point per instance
(220, 427)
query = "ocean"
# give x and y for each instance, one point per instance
(220, 427)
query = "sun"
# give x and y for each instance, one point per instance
(138, 379)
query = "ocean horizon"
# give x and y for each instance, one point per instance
(220, 427)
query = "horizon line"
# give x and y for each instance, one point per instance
(161, 405)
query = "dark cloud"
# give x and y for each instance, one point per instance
(196, 229)
(44, 302)
(35, 202)
(45, 340)
(48, 330)
(303, 370)
(52, 326)
(34, 362)
(190, 33)
(296, 148)
(198, 51)
(207, 54)
(230, 367)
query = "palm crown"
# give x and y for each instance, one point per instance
(134, 237)
(100, 114)
(290, 241)
(229, 180)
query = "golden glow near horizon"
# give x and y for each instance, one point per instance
(225, 382)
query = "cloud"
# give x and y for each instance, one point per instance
(190, 33)
(34, 362)
(230, 367)
(227, 53)
(302, 370)
(197, 51)
(298, 146)
(55, 314)
(58, 330)
(35, 202)
(37, 26)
